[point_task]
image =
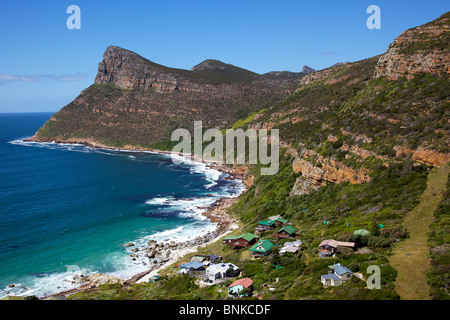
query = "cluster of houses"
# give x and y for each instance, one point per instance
(260, 248)
(211, 270)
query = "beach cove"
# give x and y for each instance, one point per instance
(92, 202)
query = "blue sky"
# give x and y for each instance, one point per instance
(44, 65)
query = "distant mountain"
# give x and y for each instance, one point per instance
(307, 70)
(357, 143)
(136, 102)
(283, 75)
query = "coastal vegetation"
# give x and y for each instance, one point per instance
(360, 143)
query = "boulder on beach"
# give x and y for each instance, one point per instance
(97, 279)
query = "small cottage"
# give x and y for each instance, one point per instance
(262, 248)
(193, 267)
(281, 222)
(229, 239)
(265, 225)
(286, 232)
(328, 247)
(241, 288)
(244, 240)
(221, 270)
(337, 276)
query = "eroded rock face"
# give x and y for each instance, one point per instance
(324, 171)
(420, 49)
(430, 157)
(127, 70)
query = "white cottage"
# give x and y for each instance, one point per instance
(339, 275)
(218, 271)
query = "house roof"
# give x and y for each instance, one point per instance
(262, 246)
(334, 243)
(193, 265)
(330, 276)
(293, 243)
(267, 222)
(221, 267)
(245, 282)
(282, 220)
(247, 236)
(198, 258)
(289, 249)
(288, 229)
(340, 269)
(231, 237)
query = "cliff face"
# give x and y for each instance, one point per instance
(422, 49)
(127, 70)
(343, 121)
(139, 103)
(322, 171)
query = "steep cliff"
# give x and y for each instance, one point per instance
(138, 103)
(422, 49)
(343, 121)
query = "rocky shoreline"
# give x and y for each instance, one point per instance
(159, 255)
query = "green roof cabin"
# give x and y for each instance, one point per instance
(229, 239)
(265, 225)
(286, 232)
(281, 222)
(262, 248)
(244, 240)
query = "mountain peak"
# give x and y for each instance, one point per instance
(419, 49)
(211, 65)
(307, 70)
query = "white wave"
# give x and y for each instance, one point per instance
(46, 285)
(159, 201)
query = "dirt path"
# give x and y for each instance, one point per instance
(410, 257)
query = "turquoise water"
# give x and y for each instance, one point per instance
(71, 205)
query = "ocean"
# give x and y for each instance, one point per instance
(66, 206)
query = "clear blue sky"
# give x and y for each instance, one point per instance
(44, 65)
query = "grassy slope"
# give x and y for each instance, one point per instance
(410, 257)
(439, 242)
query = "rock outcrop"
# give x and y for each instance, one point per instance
(307, 70)
(321, 172)
(429, 157)
(421, 49)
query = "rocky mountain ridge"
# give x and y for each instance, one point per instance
(136, 102)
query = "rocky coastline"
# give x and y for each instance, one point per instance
(159, 255)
